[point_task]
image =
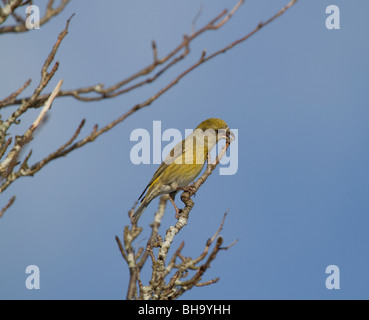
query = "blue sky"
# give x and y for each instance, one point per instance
(296, 92)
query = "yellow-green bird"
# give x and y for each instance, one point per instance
(184, 163)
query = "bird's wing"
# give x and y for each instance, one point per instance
(177, 151)
(157, 173)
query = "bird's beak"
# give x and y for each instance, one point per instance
(231, 136)
(225, 134)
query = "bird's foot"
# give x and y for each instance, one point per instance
(190, 188)
(178, 211)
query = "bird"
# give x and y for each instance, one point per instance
(184, 163)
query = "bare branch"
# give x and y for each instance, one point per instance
(121, 248)
(11, 201)
(10, 100)
(172, 262)
(210, 241)
(8, 164)
(58, 153)
(127, 250)
(214, 24)
(45, 78)
(5, 147)
(187, 285)
(84, 94)
(47, 106)
(194, 21)
(8, 9)
(207, 283)
(21, 25)
(229, 15)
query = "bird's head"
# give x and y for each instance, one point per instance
(217, 128)
(195, 147)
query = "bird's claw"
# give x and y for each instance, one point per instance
(178, 211)
(191, 188)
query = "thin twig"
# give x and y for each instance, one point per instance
(121, 249)
(45, 79)
(21, 25)
(6, 167)
(11, 201)
(210, 241)
(207, 283)
(10, 100)
(229, 15)
(115, 90)
(5, 147)
(8, 9)
(47, 106)
(194, 21)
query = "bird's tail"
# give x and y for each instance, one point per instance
(140, 210)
